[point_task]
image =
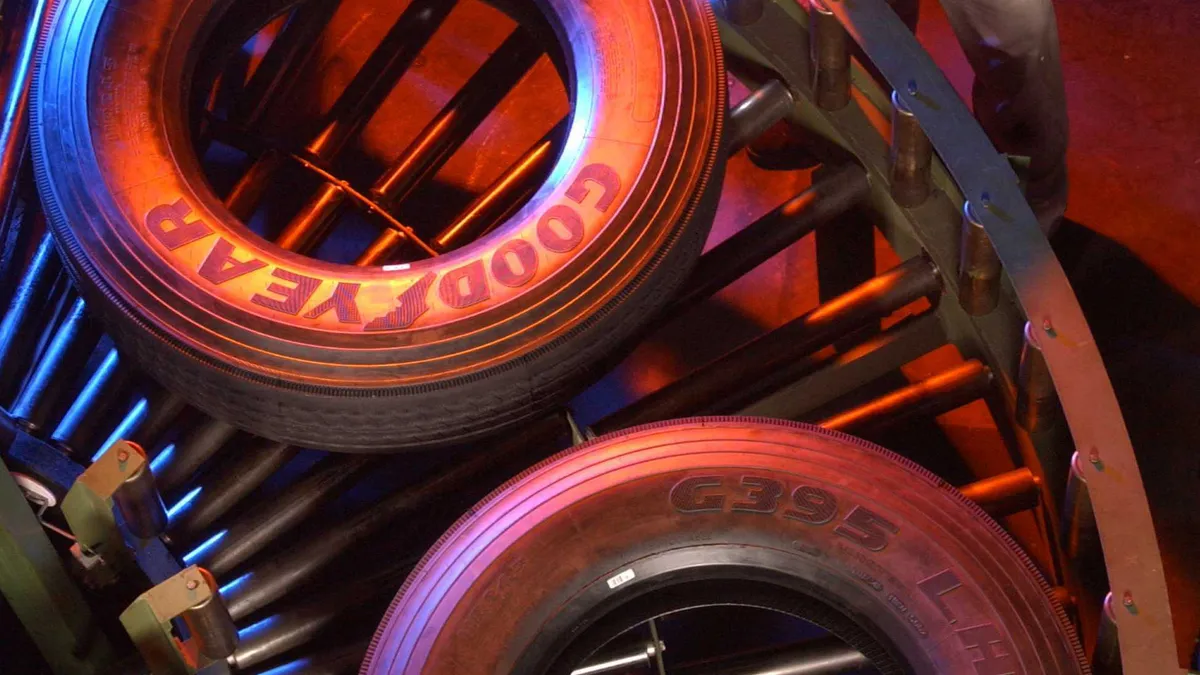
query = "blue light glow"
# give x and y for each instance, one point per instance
(253, 628)
(289, 667)
(190, 556)
(182, 503)
(132, 419)
(86, 397)
(163, 458)
(229, 587)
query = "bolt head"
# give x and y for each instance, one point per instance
(123, 455)
(192, 584)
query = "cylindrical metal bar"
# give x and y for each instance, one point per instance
(932, 396)
(313, 220)
(271, 579)
(758, 112)
(304, 619)
(743, 12)
(162, 410)
(357, 103)
(276, 73)
(193, 451)
(504, 195)
(1005, 494)
(382, 248)
(1037, 400)
(344, 660)
(722, 384)
(1106, 655)
(231, 483)
(253, 530)
(84, 420)
(1081, 537)
(978, 267)
(815, 657)
(210, 624)
(19, 329)
(911, 157)
(640, 658)
(42, 398)
(23, 24)
(830, 47)
(454, 124)
(138, 500)
(831, 195)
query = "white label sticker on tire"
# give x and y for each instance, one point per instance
(621, 578)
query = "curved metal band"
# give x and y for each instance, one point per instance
(985, 178)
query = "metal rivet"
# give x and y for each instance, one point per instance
(123, 455)
(1094, 456)
(912, 87)
(193, 585)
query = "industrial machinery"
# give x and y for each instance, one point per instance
(141, 529)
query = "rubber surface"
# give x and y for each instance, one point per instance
(780, 509)
(369, 359)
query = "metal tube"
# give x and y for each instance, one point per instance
(642, 658)
(743, 12)
(272, 578)
(21, 325)
(832, 194)
(275, 75)
(304, 619)
(16, 68)
(210, 624)
(933, 396)
(1081, 537)
(357, 103)
(253, 530)
(162, 410)
(313, 220)
(1037, 400)
(231, 483)
(138, 500)
(911, 157)
(344, 660)
(453, 125)
(830, 47)
(504, 195)
(825, 656)
(978, 267)
(721, 385)
(1106, 654)
(1005, 494)
(193, 451)
(758, 112)
(77, 430)
(41, 399)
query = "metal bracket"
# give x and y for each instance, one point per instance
(191, 596)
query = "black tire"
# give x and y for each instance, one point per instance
(370, 359)
(779, 515)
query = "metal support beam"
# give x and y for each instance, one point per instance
(42, 398)
(756, 113)
(1005, 494)
(38, 589)
(741, 375)
(930, 397)
(229, 484)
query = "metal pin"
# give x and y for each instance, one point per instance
(756, 113)
(911, 156)
(830, 47)
(978, 267)
(1081, 538)
(1037, 400)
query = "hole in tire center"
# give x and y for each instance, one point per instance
(445, 207)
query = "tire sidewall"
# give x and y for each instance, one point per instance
(540, 559)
